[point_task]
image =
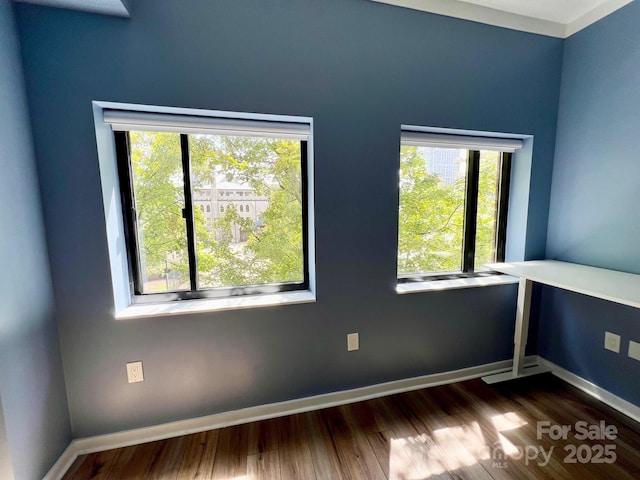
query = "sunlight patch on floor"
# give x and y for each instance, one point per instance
(448, 449)
(401, 467)
(464, 438)
(507, 421)
(504, 423)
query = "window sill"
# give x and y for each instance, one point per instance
(453, 284)
(214, 304)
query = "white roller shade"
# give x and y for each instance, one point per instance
(442, 140)
(123, 120)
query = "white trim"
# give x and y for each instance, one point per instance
(594, 16)
(63, 463)
(82, 446)
(623, 406)
(455, 283)
(143, 310)
(478, 13)
(499, 18)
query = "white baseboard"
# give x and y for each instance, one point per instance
(62, 464)
(127, 438)
(629, 409)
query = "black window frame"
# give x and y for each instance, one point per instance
(470, 221)
(127, 197)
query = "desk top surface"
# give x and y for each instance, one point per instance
(619, 287)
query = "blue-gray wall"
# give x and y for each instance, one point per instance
(36, 428)
(593, 217)
(360, 69)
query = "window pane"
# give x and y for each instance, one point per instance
(156, 163)
(260, 242)
(431, 217)
(488, 185)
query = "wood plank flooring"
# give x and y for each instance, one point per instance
(466, 430)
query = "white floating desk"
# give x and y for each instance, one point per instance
(618, 287)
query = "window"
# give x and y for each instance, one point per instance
(208, 208)
(173, 252)
(241, 208)
(246, 208)
(453, 204)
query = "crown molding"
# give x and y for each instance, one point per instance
(595, 15)
(513, 21)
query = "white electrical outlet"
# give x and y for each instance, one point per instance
(634, 350)
(353, 342)
(612, 342)
(134, 372)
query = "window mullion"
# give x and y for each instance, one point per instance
(502, 205)
(127, 197)
(470, 211)
(187, 212)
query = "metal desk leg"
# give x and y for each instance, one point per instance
(522, 324)
(523, 309)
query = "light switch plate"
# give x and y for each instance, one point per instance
(634, 350)
(353, 342)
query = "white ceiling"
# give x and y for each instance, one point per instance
(556, 18)
(106, 7)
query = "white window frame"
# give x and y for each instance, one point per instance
(131, 116)
(521, 147)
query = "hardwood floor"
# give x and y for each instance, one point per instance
(466, 430)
